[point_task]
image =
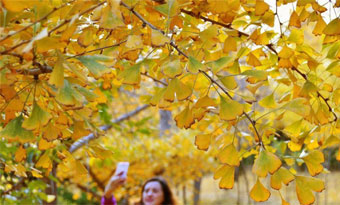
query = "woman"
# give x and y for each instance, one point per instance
(155, 191)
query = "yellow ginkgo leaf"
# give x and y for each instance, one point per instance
(79, 168)
(49, 43)
(157, 97)
(226, 173)
(305, 186)
(266, 162)
(20, 170)
(259, 192)
(252, 60)
(176, 86)
(331, 141)
(268, 101)
(296, 36)
(57, 75)
(229, 155)
(281, 176)
(313, 162)
(185, 119)
(229, 82)
(44, 161)
(286, 52)
(182, 90)
(36, 173)
(333, 28)
(268, 18)
(230, 109)
(79, 130)
(298, 106)
(204, 101)
(134, 42)
(111, 19)
(283, 201)
(86, 37)
(203, 141)
(199, 113)
(294, 20)
(338, 155)
(44, 145)
(308, 89)
(230, 44)
(20, 154)
(158, 39)
(261, 7)
(16, 6)
(319, 27)
(38, 118)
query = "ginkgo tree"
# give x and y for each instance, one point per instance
(236, 65)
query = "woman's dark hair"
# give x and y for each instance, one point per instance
(168, 197)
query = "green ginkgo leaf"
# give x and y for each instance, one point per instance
(194, 65)
(37, 119)
(131, 75)
(268, 101)
(94, 67)
(230, 109)
(14, 130)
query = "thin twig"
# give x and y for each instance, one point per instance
(35, 71)
(154, 79)
(97, 49)
(79, 143)
(16, 94)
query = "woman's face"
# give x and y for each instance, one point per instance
(153, 193)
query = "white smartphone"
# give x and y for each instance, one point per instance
(122, 167)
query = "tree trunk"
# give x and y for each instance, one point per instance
(164, 122)
(197, 190)
(52, 186)
(184, 194)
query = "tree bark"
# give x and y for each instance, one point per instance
(52, 186)
(184, 194)
(197, 191)
(164, 121)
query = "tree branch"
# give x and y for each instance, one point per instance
(228, 26)
(94, 177)
(79, 143)
(172, 43)
(318, 93)
(35, 71)
(154, 79)
(97, 49)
